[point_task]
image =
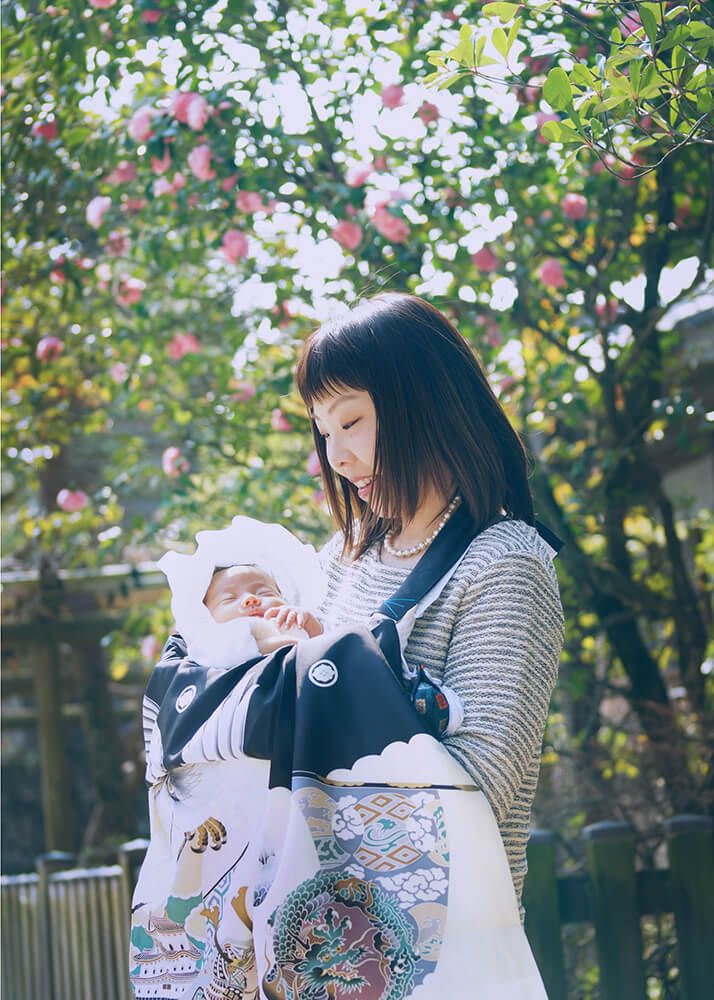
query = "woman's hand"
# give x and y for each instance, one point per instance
(287, 616)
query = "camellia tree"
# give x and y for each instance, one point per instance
(192, 187)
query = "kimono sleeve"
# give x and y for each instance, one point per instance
(503, 662)
(173, 653)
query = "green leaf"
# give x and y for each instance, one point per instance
(500, 42)
(582, 75)
(464, 51)
(655, 9)
(635, 70)
(649, 21)
(445, 84)
(570, 159)
(478, 52)
(513, 32)
(557, 90)
(503, 11)
(560, 132)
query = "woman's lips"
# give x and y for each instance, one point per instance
(364, 491)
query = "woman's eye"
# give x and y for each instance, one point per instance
(345, 427)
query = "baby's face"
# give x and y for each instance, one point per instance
(241, 592)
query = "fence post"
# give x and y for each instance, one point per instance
(610, 850)
(540, 899)
(46, 865)
(130, 856)
(691, 873)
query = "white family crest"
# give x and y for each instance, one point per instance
(323, 673)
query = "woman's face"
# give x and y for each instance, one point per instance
(347, 420)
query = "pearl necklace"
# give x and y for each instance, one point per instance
(405, 553)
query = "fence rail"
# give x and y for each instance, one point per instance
(65, 930)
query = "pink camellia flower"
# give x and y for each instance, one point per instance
(347, 234)
(198, 113)
(485, 259)
(151, 16)
(537, 64)
(179, 105)
(313, 464)
(228, 183)
(507, 383)
(599, 165)
(150, 648)
(380, 163)
(428, 113)
(45, 130)
(179, 181)
(551, 273)
(234, 245)
(199, 161)
(72, 500)
(626, 172)
(160, 166)
(104, 276)
(97, 209)
(683, 213)
(243, 390)
(162, 186)
(48, 348)
(85, 263)
(129, 292)
(279, 422)
(358, 174)
(630, 23)
(392, 95)
(102, 4)
(318, 497)
(575, 206)
(118, 243)
(119, 372)
(607, 310)
(192, 200)
(173, 462)
(182, 344)
(57, 274)
(122, 173)
(139, 127)
(393, 229)
(249, 201)
(541, 117)
(582, 52)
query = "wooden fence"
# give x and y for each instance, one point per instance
(65, 931)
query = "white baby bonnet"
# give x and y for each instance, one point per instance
(294, 566)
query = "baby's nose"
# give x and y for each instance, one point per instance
(250, 601)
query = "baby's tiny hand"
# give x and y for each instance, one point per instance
(286, 617)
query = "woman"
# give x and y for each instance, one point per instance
(351, 856)
(406, 426)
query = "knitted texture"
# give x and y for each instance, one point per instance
(494, 635)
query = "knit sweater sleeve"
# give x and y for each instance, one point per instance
(503, 662)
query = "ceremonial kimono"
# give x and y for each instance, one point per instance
(310, 839)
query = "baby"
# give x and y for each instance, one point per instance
(248, 590)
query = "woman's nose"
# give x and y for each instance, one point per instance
(337, 455)
(250, 601)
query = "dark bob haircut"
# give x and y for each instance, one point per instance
(438, 420)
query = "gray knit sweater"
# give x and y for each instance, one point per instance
(494, 635)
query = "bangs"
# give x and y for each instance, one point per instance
(330, 363)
